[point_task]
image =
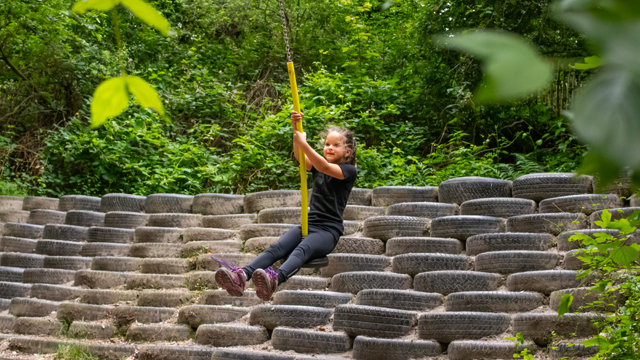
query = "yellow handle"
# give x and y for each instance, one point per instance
(303, 162)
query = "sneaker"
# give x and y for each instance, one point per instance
(266, 282)
(231, 278)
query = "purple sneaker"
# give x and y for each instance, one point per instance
(231, 278)
(266, 282)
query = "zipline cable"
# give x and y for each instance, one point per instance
(296, 107)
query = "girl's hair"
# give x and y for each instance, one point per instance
(349, 142)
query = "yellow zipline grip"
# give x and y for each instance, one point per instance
(303, 162)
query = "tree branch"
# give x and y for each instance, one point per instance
(8, 62)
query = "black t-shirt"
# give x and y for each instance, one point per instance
(329, 198)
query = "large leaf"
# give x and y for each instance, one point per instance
(565, 302)
(591, 62)
(145, 95)
(110, 99)
(607, 116)
(624, 255)
(148, 14)
(513, 68)
(83, 6)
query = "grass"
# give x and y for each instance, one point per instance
(73, 352)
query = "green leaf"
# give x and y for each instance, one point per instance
(83, 6)
(148, 14)
(589, 63)
(600, 166)
(110, 99)
(145, 95)
(565, 302)
(513, 68)
(624, 255)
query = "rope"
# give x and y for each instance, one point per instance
(284, 30)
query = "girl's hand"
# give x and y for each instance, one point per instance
(299, 137)
(296, 118)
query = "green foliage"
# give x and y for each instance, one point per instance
(73, 352)
(519, 340)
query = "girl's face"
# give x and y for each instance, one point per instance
(334, 150)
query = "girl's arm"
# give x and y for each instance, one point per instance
(320, 163)
(295, 118)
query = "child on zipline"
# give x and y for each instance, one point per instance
(333, 179)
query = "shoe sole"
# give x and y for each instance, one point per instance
(224, 279)
(262, 285)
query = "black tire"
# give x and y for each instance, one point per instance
(616, 214)
(586, 299)
(20, 260)
(67, 262)
(125, 219)
(221, 297)
(451, 281)
(173, 220)
(299, 282)
(399, 299)
(250, 231)
(68, 312)
(158, 333)
(165, 266)
(543, 281)
(66, 232)
(110, 235)
(369, 348)
(55, 292)
(470, 349)
(634, 201)
(106, 297)
(373, 321)
(27, 231)
(48, 276)
(218, 204)
(360, 213)
(204, 234)
(572, 260)
(99, 279)
(154, 281)
(459, 190)
(11, 274)
(542, 327)
(241, 354)
(4, 305)
(493, 301)
(37, 326)
(44, 217)
(58, 247)
(32, 307)
(350, 227)
(15, 216)
(359, 245)
(170, 352)
(271, 316)
(87, 330)
(255, 202)
(387, 227)
(35, 202)
(32, 345)
(18, 245)
(155, 250)
(286, 215)
(462, 227)
(168, 203)
(498, 207)
(109, 351)
(482, 243)
(429, 210)
(514, 261)
(413, 264)
(389, 195)
(310, 341)
(230, 222)
(565, 245)
(554, 223)
(324, 299)
(157, 298)
(542, 186)
(122, 202)
(150, 234)
(196, 315)
(218, 246)
(104, 249)
(566, 350)
(120, 264)
(222, 335)
(9, 290)
(354, 282)
(79, 202)
(360, 197)
(125, 315)
(406, 245)
(11, 202)
(586, 204)
(446, 327)
(340, 263)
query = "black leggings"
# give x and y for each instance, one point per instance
(315, 245)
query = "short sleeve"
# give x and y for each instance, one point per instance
(349, 171)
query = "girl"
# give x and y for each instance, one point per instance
(333, 178)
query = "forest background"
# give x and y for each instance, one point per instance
(370, 66)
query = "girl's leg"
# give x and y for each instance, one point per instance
(279, 250)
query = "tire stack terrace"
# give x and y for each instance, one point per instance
(441, 272)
